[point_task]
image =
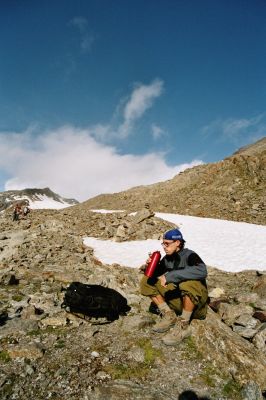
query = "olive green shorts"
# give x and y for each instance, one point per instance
(173, 294)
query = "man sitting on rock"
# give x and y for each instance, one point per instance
(178, 288)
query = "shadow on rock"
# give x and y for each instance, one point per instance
(190, 395)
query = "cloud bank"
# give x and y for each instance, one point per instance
(82, 163)
(72, 163)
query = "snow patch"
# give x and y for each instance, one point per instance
(227, 245)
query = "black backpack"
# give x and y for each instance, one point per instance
(94, 301)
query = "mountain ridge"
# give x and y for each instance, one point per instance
(232, 189)
(30, 196)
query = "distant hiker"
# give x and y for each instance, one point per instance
(16, 212)
(26, 211)
(177, 289)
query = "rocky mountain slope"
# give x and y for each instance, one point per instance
(232, 189)
(46, 352)
(32, 196)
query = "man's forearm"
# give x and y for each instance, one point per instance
(197, 272)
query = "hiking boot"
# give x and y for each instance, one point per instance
(168, 319)
(154, 309)
(180, 331)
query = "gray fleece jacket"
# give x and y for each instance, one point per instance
(182, 266)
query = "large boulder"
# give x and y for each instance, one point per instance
(229, 352)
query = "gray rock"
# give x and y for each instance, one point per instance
(137, 322)
(137, 354)
(121, 232)
(31, 351)
(122, 389)
(259, 340)
(142, 215)
(251, 391)
(245, 332)
(229, 312)
(17, 327)
(216, 293)
(247, 321)
(248, 298)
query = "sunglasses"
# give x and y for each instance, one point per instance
(166, 244)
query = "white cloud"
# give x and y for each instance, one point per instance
(157, 132)
(233, 128)
(140, 100)
(72, 163)
(237, 130)
(86, 38)
(80, 22)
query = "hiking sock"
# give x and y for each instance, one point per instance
(163, 308)
(186, 315)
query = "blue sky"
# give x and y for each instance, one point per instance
(98, 96)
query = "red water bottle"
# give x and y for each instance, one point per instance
(155, 258)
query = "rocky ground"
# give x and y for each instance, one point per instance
(46, 352)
